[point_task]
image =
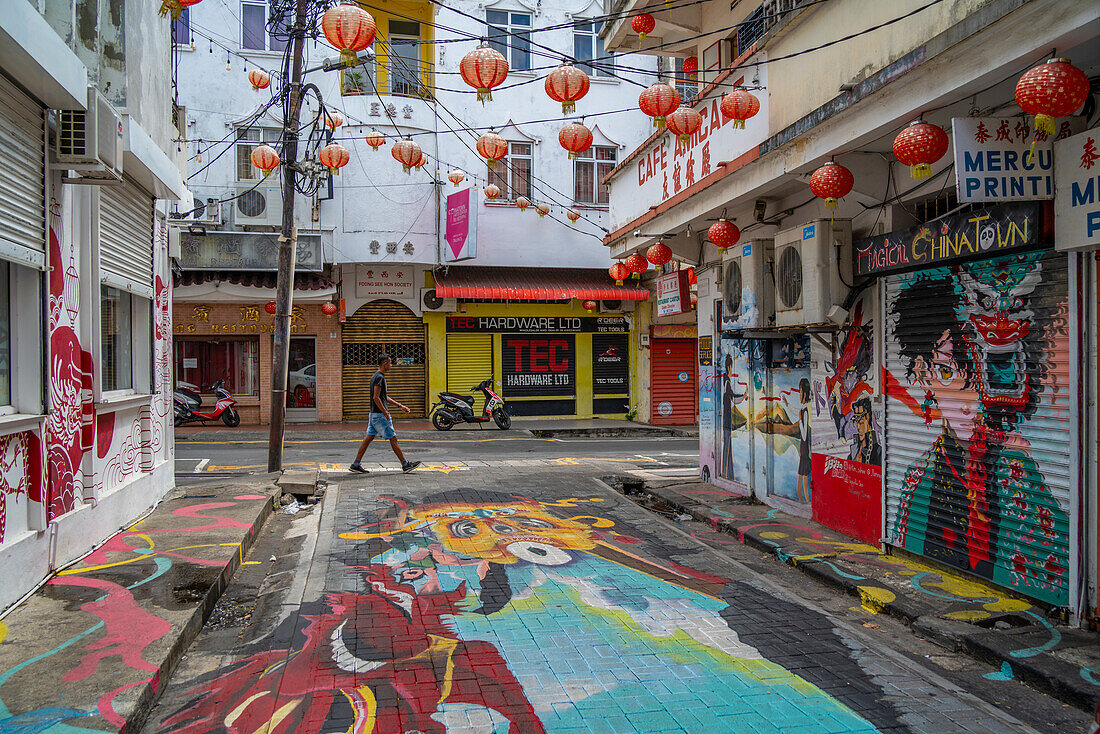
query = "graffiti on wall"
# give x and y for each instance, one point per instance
(500, 612)
(848, 386)
(982, 366)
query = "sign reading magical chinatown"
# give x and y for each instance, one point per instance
(994, 230)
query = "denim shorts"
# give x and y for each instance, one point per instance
(380, 425)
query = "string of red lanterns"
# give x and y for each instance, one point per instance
(739, 105)
(637, 264)
(265, 158)
(724, 233)
(492, 191)
(683, 123)
(659, 254)
(658, 101)
(619, 272)
(259, 79)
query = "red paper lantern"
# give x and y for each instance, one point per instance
(659, 254)
(590, 306)
(328, 308)
(643, 24)
(175, 7)
(683, 123)
(575, 138)
(919, 146)
(618, 272)
(691, 65)
(637, 263)
(334, 156)
(375, 139)
(265, 158)
(694, 300)
(542, 209)
(348, 28)
(567, 84)
(334, 119)
(456, 177)
(421, 161)
(573, 215)
(407, 153)
(522, 203)
(739, 105)
(484, 68)
(692, 277)
(658, 101)
(493, 147)
(1054, 89)
(270, 307)
(831, 182)
(259, 79)
(724, 233)
(492, 191)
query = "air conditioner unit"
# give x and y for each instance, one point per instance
(208, 214)
(746, 286)
(90, 141)
(616, 306)
(429, 301)
(258, 205)
(809, 261)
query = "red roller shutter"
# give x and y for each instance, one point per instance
(673, 392)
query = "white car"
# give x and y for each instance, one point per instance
(301, 385)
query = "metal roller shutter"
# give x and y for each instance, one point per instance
(978, 446)
(377, 327)
(469, 362)
(673, 398)
(126, 238)
(23, 193)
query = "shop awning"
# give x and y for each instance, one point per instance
(533, 284)
(254, 279)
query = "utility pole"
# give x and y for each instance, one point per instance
(288, 246)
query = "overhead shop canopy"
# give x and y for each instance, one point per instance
(531, 284)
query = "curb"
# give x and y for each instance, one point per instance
(611, 433)
(1043, 673)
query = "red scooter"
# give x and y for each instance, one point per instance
(188, 404)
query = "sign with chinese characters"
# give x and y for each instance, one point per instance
(994, 158)
(538, 365)
(223, 319)
(539, 324)
(245, 251)
(985, 232)
(391, 280)
(673, 294)
(1077, 192)
(706, 351)
(667, 167)
(461, 226)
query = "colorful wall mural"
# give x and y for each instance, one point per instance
(495, 611)
(978, 416)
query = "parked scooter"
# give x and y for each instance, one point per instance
(453, 408)
(188, 405)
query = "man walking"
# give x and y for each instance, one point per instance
(380, 421)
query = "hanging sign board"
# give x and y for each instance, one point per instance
(461, 238)
(394, 281)
(994, 161)
(673, 294)
(1077, 192)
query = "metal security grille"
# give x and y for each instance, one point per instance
(126, 238)
(788, 278)
(23, 192)
(390, 327)
(978, 427)
(731, 290)
(673, 395)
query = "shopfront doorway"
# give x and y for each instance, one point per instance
(674, 383)
(389, 327)
(301, 381)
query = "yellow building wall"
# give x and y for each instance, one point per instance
(383, 12)
(437, 351)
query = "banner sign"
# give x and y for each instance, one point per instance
(610, 364)
(673, 294)
(986, 232)
(994, 162)
(245, 251)
(461, 226)
(539, 324)
(536, 366)
(1077, 188)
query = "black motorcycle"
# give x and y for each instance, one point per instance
(453, 408)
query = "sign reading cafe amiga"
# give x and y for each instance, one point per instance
(985, 232)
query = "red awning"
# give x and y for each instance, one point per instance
(533, 284)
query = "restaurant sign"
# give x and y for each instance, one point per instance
(245, 251)
(539, 324)
(985, 232)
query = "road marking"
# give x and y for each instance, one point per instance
(357, 441)
(201, 465)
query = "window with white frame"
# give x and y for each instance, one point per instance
(588, 170)
(247, 139)
(686, 83)
(510, 34)
(403, 54)
(181, 28)
(588, 46)
(125, 330)
(255, 34)
(357, 80)
(513, 174)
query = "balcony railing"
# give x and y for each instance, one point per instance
(400, 77)
(763, 19)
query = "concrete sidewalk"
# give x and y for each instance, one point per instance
(960, 613)
(90, 649)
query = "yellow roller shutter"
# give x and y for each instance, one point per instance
(377, 327)
(469, 362)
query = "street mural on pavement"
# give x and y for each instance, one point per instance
(983, 368)
(501, 613)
